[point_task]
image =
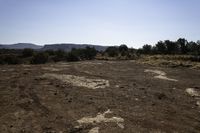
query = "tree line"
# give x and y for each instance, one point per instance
(181, 46)
(167, 47)
(30, 56)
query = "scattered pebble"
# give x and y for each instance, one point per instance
(198, 103)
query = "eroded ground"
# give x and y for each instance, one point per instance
(98, 97)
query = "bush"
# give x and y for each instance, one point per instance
(90, 53)
(112, 51)
(50, 52)
(123, 48)
(71, 56)
(147, 49)
(40, 58)
(59, 55)
(2, 60)
(27, 52)
(10, 59)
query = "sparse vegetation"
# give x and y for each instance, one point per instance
(8, 56)
(10, 59)
(71, 56)
(27, 52)
(180, 50)
(40, 58)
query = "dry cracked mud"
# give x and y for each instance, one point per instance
(69, 97)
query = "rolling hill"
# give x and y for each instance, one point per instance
(69, 47)
(65, 46)
(20, 46)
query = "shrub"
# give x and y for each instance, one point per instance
(10, 59)
(112, 51)
(2, 59)
(59, 55)
(27, 52)
(50, 52)
(90, 53)
(123, 48)
(40, 58)
(71, 56)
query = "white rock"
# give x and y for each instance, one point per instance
(160, 75)
(94, 130)
(192, 92)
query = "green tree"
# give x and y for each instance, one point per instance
(183, 45)
(161, 48)
(147, 49)
(193, 48)
(172, 48)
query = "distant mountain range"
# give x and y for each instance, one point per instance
(20, 46)
(65, 46)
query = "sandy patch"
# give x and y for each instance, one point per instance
(62, 65)
(79, 81)
(51, 69)
(94, 130)
(7, 70)
(26, 65)
(100, 118)
(160, 75)
(91, 63)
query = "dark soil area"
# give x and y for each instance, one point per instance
(30, 103)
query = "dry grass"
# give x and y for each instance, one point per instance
(169, 61)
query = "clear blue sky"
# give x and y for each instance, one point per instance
(104, 22)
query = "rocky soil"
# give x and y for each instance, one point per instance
(99, 97)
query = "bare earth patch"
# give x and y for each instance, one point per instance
(100, 118)
(160, 75)
(54, 103)
(79, 81)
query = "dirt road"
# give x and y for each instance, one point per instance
(98, 97)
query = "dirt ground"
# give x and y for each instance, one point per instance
(99, 97)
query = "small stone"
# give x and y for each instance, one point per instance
(198, 103)
(136, 99)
